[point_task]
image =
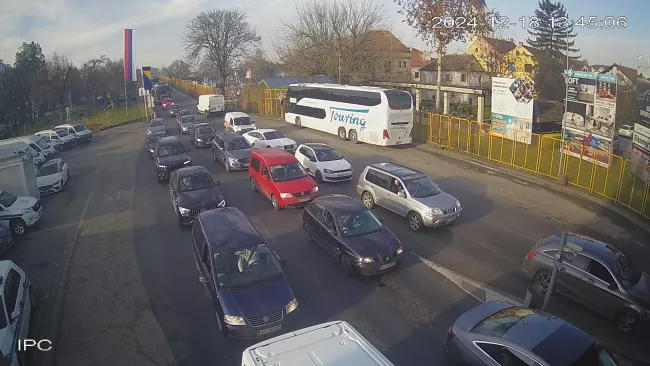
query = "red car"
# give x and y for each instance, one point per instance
(281, 178)
(166, 103)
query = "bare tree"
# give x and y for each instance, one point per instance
(60, 70)
(332, 37)
(178, 69)
(438, 23)
(259, 65)
(221, 37)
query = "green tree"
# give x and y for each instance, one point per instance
(30, 62)
(14, 99)
(553, 32)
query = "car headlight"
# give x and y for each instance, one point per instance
(366, 260)
(436, 211)
(183, 211)
(328, 171)
(222, 203)
(187, 161)
(291, 306)
(285, 195)
(400, 250)
(233, 320)
(148, 132)
(314, 190)
(28, 210)
(162, 167)
(199, 140)
(458, 203)
(232, 160)
(151, 151)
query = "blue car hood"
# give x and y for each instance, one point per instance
(257, 300)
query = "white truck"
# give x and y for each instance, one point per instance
(211, 104)
(334, 343)
(17, 174)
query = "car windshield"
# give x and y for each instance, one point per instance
(358, 223)
(167, 100)
(497, 324)
(594, 355)
(398, 100)
(62, 133)
(287, 172)
(42, 144)
(170, 149)
(237, 144)
(48, 169)
(242, 121)
(7, 199)
(152, 139)
(195, 182)
(273, 135)
(188, 119)
(246, 266)
(204, 129)
(156, 122)
(626, 270)
(184, 112)
(421, 187)
(328, 154)
(79, 128)
(175, 106)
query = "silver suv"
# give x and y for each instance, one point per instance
(409, 193)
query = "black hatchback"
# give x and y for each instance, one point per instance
(249, 291)
(170, 155)
(350, 233)
(192, 191)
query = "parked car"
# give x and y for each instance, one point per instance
(626, 131)
(238, 122)
(152, 142)
(497, 333)
(173, 109)
(350, 233)
(193, 190)
(57, 144)
(19, 213)
(599, 276)
(19, 303)
(180, 114)
(6, 239)
(280, 177)
(166, 102)
(201, 135)
(157, 125)
(325, 164)
(170, 155)
(267, 137)
(52, 176)
(232, 150)
(63, 131)
(65, 139)
(186, 123)
(408, 193)
(78, 130)
(243, 275)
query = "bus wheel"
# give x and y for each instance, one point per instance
(353, 136)
(298, 122)
(342, 134)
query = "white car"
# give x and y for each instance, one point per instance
(68, 141)
(19, 213)
(324, 162)
(238, 122)
(19, 302)
(78, 130)
(52, 176)
(267, 137)
(626, 130)
(56, 144)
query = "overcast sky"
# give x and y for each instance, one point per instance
(82, 29)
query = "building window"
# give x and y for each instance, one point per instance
(447, 77)
(463, 78)
(416, 75)
(528, 68)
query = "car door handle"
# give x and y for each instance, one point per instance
(590, 280)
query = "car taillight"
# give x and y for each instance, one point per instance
(450, 334)
(531, 255)
(386, 134)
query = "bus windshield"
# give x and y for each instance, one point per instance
(398, 100)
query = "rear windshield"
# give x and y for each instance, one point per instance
(156, 122)
(273, 135)
(496, 325)
(204, 129)
(398, 100)
(188, 119)
(175, 106)
(170, 149)
(184, 112)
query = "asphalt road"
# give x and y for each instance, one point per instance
(405, 313)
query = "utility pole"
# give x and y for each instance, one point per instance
(339, 53)
(566, 95)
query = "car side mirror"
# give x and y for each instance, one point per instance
(401, 194)
(331, 231)
(218, 182)
(15, 314)
(265, 176)
(613, 286)
(204, 279)
(308, 170)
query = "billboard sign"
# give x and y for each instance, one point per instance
(590, 115)
(147, 78)
(512, 109)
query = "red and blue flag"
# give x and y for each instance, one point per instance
(129, 59)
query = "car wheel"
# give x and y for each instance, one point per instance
(307, 231)
(253, 187)
(275, 203)
(368, 201)
(415, 221)
(222, 327)
(626, 320)
(353, 137)
(226, 166)
(298, 122)
(18, 227)
(342, 134)
(345, 264)
(319, 177)
(542, 278)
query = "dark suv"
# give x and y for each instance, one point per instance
(170, 155)
(251, 294)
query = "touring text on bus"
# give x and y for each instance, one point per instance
(360, 114)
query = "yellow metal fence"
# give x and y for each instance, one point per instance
(190, 87)
(263, 101)
(114, 117)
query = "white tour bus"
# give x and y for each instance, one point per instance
(357, 113)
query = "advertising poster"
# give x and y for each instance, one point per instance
(587, 146)
(512, 109)
(640, 156)
(590, 114)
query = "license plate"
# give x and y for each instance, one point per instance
(269, 330)
(341, 175)
(398, 142)
(450, 219)
(386, 266)
(303, 199)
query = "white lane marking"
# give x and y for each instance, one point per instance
(477, 290)
(58, 227)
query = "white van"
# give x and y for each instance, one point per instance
(18, 147)
(37, 143)
(211, 103)
(334, 343)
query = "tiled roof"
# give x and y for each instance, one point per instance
(455, 62)
(536, 52)
(501, 46)
(386, 41)
(279, 82)
(627, 71)
(416, 58)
